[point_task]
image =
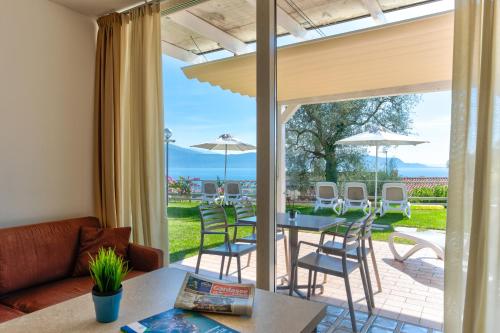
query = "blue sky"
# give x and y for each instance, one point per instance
(198, 112)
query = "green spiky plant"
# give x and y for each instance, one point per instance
(107, 270)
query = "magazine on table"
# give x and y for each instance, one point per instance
(201, 294)
(177, 321)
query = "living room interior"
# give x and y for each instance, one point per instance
(84, 174)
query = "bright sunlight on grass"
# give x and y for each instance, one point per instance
(184, 224)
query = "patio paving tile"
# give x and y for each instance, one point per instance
(410, 328)
(376, 329)
(412, 291)
(385, 323)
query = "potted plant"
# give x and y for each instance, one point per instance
(107, 271)
(291, 196)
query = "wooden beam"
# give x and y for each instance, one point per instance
(207, 30)
(288, 23)
(181, 54)
(281, 161)
(373, 7)
(288, 111)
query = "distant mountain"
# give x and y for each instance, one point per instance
(370, 162)
(180, 157)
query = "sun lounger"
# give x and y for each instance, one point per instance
(210, 193)
(432, 239)
(356, 196)
(327, 196)
(232, 192)
(395, 194)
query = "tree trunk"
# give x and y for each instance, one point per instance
(331, 166)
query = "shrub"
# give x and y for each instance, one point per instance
(182, 186)
(440, 191)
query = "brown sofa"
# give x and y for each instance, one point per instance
(37, 261)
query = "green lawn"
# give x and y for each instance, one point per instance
(184, 225)
(184, 229)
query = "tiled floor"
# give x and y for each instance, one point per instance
(412, 291)
(338, 320)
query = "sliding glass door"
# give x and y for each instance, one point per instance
(220, 136)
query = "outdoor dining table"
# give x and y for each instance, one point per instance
(301, 222)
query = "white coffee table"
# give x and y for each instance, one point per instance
(155, 292)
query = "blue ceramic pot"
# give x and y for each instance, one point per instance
(107, 305)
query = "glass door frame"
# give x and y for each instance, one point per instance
(266, 143)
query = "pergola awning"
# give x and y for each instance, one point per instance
(408, 57)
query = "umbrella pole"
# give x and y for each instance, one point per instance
(376, 177)
(225, 163)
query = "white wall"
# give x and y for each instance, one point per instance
(46, 112)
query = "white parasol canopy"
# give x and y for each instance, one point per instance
(378, 139)
(226, 142)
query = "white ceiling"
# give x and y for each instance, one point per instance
(96, 8)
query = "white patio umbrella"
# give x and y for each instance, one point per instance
(226, 142)
(378, 139)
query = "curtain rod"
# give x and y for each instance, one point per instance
(175, 8)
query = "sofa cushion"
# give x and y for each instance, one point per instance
(36, 298)
(92, 239)
(39, 253)
(7, 313)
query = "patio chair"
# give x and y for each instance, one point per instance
(432, 239)
(244, 209)
(338, 263)
(366, 249)
(214, 222)
(356, 196)
(232, 192)
(209, 192)
(395, 194)
(327, 196)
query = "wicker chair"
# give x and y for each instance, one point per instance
(366, 249)
(214, 222)
(244, 209)
(337, 263)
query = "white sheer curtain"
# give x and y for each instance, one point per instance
(472, 268)
(141, 99)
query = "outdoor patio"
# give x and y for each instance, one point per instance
(412, 292)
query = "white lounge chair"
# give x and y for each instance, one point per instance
(395, 194)
(432, 239)
(232, 192)
(209, 192)
(356, 196)
(327, 196)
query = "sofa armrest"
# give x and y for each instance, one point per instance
(144, 258)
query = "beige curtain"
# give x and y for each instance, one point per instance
(107, 119)
(472, 268)
(139, 189)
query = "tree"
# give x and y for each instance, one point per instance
(312, 132)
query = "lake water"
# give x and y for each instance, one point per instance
(249, 173)
(423, 172)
